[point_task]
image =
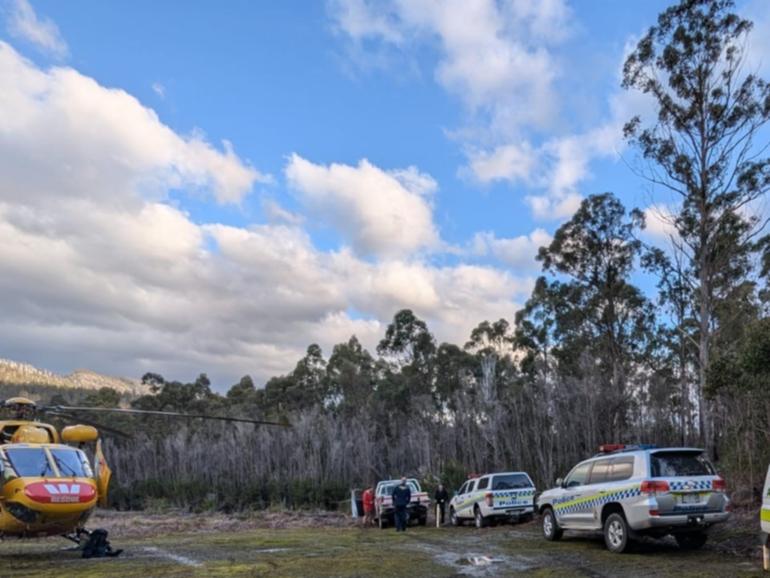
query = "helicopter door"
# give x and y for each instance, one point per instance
(102, 473)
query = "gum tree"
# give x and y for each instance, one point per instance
(702, 147)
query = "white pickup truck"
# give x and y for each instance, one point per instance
(383, 502)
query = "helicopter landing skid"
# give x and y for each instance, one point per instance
(93, 543)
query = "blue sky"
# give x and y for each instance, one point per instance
(275, 78)
(221, 184)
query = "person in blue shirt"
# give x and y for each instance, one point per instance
(402, 495)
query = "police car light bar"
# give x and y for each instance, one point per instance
(610, 448)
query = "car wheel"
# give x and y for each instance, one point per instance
(691, 541)
(616, 533)
(551, 529)
(481, 522)
(454, 518)
(423, 521)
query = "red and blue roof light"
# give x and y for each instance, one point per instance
(611, 448)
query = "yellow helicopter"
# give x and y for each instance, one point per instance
(49, 487)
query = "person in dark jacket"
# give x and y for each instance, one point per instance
(402, 495)
(442, 497)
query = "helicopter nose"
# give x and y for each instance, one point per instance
(69, 492)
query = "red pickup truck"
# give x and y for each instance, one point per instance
(383, 502)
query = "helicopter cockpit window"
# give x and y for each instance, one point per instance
(31, 462)
(71, 463)
(5, 468)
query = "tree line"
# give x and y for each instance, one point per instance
(591, 357)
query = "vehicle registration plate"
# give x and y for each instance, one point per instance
(690, 498)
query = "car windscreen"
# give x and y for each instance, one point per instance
(510, 482)
(388, 490)
(30, 462)
(71, 462)
(674, 464)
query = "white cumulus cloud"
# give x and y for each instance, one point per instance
(72, 121)
(494, 56)
(512, 162)
(659, 222)
(24, 23)
(518, 253)
(380, 212)
(557, 168)
(505, 61)
(102, 270)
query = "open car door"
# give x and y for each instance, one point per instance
(102, 473)
(765, 512)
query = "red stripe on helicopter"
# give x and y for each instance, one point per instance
(60, 492)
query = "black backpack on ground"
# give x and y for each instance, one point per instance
(97, 545)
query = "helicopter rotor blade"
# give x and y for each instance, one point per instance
(163, 413)
(98, 426)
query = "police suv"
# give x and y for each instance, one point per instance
(493, 497)
(627, 491)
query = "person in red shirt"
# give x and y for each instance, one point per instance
(368, 500)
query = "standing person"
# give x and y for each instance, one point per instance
(442, 497)
(402, 495)
(368, 499)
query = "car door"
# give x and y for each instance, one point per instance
(570, 511)
(457, 499)
(765, 512)
(383, 495)
(588, 513)
(482, 487)
(466, 506)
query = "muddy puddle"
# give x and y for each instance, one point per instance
(476, 561)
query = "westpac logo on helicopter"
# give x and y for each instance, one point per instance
(60, 493)
(64, 493)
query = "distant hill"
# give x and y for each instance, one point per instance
(15, 373)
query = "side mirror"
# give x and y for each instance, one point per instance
(560, 482)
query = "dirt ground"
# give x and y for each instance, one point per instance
(322, 544)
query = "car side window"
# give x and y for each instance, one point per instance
(579, 475)
(471, 486)
(600, 472)
(622, 469)
(462, 489)
(483, 483)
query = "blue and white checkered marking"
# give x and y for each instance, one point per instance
(508, 498)
(687, 485)
(571, 506)
(514, 493)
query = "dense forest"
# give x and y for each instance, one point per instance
(621, 340)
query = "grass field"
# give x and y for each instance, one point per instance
(202, 546)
